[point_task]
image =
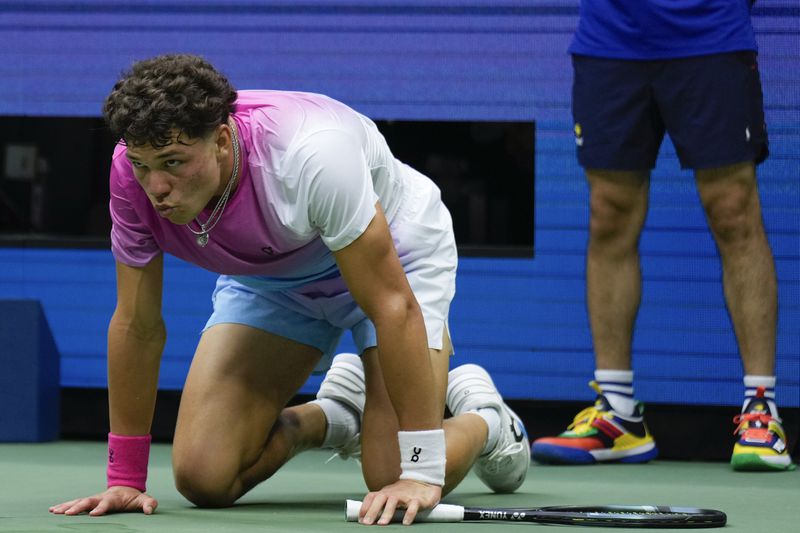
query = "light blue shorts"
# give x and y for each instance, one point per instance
(318, 313)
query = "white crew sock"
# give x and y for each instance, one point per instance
(343, 422)
(751, 385)
(492, 419)
(617, 386)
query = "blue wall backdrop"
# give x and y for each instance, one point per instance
(524, 319)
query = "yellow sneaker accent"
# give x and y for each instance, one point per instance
(761, 445)
(599, 434)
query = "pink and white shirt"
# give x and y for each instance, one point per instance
(312, 171)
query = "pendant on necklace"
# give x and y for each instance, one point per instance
(202, 239)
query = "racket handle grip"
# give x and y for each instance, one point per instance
(443, 512)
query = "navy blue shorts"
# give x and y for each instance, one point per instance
(711, 106)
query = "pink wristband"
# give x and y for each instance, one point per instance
(127, 460)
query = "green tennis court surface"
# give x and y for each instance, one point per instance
(309, 495)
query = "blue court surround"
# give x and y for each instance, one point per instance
(524, 319)
(29, 374)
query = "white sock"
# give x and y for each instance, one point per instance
(343, 422)
(751, 385)
(617, 386)
(492, 419)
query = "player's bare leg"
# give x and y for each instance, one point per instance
(730, 198)
(233, 431)
(733, 209)
(613, 279)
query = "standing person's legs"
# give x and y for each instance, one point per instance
(618, 132)
(731, 202)
(733, 209)
(613, 429)
(618, 203)
(715, 118)
(713, 110)
(233, 431)
(618, 207)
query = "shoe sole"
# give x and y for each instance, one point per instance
(562, 455)
(752, 462)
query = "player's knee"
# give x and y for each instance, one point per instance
(203, 488)
(202, 481)
(613, 223)
(733, 218)
(732, 229)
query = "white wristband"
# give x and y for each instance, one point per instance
(422, 455)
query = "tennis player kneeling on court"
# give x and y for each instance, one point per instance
(315, 228)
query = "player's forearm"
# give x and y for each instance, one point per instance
(407, 372)
(134, 357)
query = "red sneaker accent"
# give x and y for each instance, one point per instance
(607, 427)
(583, 443)
(744, 419)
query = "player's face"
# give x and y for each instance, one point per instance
(181, 178)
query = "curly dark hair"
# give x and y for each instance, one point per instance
(158, 96)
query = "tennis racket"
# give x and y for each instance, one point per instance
(649, 516)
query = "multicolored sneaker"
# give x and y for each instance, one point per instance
(345, 383)
(504, 468)
(762, 442)
(599, 434)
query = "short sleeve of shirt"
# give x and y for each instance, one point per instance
(132, 242)
(340, 193)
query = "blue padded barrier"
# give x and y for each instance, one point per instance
(29, 374)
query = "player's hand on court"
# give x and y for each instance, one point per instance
(113, 500)
(412, 496)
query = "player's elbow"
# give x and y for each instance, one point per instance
(395, 309)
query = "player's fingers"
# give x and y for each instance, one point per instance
(388, 511)
(362, 512)
(411, 512)
(374, 509)
(61, 507)
(149, 505)
(81, 506)
(102, 507)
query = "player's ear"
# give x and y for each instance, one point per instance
(223, 141)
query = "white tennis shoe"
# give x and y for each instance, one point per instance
(345, 383)
(502, 469)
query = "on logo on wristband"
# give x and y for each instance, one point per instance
(423, 456)
(415, 456)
